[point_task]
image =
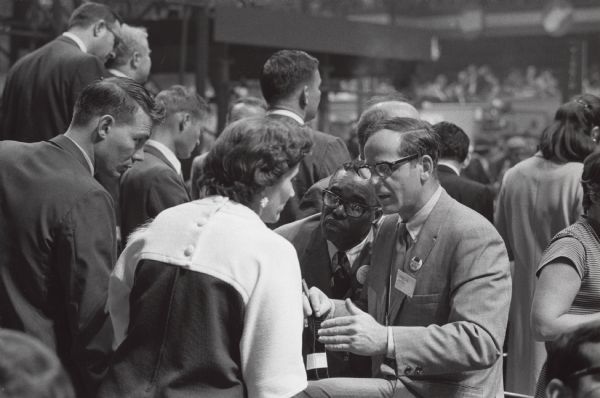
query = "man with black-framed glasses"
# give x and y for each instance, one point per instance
(334, 250)
(41, 88)
(573, 364)
(439, 285)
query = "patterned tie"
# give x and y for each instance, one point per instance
(340, 281)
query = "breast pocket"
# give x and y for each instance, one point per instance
(421, 310)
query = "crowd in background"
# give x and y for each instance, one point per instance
(414, 258)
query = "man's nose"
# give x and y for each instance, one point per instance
(138, 155)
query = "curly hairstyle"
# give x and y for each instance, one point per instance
(251, 154)
(568, 138)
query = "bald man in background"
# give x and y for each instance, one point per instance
(378, 108)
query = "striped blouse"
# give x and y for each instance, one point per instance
(579, 246)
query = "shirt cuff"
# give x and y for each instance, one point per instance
(390, 344)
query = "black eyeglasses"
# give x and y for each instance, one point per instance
(352, 209)
(384, 169)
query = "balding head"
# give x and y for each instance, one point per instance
(378, 112)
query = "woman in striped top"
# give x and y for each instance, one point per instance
(567, 292)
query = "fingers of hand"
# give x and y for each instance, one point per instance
(306, 306)
(340, 321)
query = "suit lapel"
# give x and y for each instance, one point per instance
(316, 268)
(420, 249)
(383, 256)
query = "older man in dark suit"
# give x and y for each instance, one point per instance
(41, 88)
(155, 184)
(334, 250)
(290, 83)
(57, 226)
(454, 150)
(439, 286)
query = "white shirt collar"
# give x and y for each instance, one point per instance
(352, 253)
(285, 112)
(450, 166)
(85, 155)
(162, 148)
(77, 41)
(415, 224)
(117, 73)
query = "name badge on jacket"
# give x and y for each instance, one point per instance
(405, 283)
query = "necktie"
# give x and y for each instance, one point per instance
(340, 281)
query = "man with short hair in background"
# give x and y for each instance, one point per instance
(57, 226)
(131, 55)
(573, 364)
(42, 87)
(290, 82)
(454, 151)
(155, 184)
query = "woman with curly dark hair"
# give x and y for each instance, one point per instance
(206, 300)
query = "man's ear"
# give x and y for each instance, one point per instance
(105, 123)
(595, 134)
(304, 97)
(184, 121)
(99, 27)
(428, 167)
(135, 60)
(557, 389)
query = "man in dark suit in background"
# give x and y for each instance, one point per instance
(155, 184)
(46, 82)
(334, 250)
(454, 150)
(57, 226)
(290, 83)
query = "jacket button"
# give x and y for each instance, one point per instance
(188, 251)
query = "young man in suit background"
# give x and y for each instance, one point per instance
(334, 250)
(290, 82)
(47, 82)
(57, 226)
(454, 151)
(155, 184)
(438, 305)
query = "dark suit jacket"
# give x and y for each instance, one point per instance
(148, 188)
(57, 249)
(448, 336)
(472, 194)
(328, 153)
(315, 264)
(41, 90)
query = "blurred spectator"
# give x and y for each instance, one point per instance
(28, 369)
(539, 197)
(131, 56)
(246, 107)
(480, 84)
(454, 151)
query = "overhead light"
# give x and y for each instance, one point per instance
(558, 17)
(470, 21)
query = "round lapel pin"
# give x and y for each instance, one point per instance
(415, 264)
